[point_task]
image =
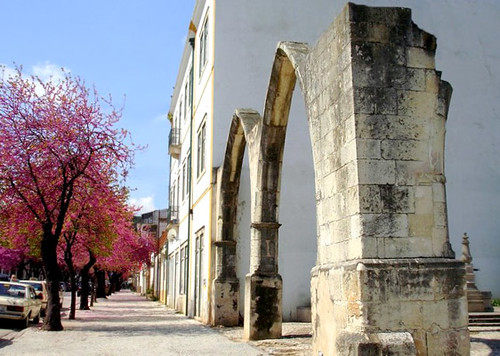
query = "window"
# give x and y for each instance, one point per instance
(190, 94)
(203, 46)
(188, 174)
(202, 133)
(180, 111)
(186, 96)
(182, 272)
(179, 183)
(184, 180)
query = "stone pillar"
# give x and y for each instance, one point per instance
(245, 125)
(477, 301)
(386, 280)
(263, 285)
(225, 287)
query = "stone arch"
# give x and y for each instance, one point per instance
(244, 126)
(385, 273)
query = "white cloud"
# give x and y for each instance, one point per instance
(145, 204)
(49, 72)
(7, 72)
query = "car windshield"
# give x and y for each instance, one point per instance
(10, 290)
(36, 285)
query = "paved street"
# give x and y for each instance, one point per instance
(128, 324)
(124, 324)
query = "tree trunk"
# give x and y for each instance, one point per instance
(84, 273)
(92, 292)
(52, 319)
(68, 258)
(101, 285)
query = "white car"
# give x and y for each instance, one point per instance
(19, 302)
(42, 290)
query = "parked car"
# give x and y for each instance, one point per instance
(41, 289)
(19, 302)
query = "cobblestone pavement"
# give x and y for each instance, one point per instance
(125, 324)
(128, 324)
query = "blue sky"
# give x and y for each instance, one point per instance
(125, 48)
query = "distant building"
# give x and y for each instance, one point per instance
(152, 278)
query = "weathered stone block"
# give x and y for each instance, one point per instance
(225, 302)
(376, 172)
(397, 199)
(391, 127)
(404, 150)
(262, 307)
(384, 225)
(379, 101)
(367, 148)
(420, 58)
(416, 104)
(369, 199)
(397, 296)
(420, 224)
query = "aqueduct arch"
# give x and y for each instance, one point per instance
(386, 278)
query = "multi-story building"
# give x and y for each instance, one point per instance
(226, 65)
(152, 278)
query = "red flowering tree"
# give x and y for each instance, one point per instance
(54, 138)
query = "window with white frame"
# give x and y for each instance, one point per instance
(190, 88)
(186, 96)
(182, 271)
(188, 173)
(180, 111)
(179, 183)
(203, 45)
(184, 180)
(201, 143)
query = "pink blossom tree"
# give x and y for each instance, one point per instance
(54, 137)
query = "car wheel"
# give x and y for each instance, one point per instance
(36, 319)
(23, 323)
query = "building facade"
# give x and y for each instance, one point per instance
(152, 278)
(226, 65)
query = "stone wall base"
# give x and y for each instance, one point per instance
(263, 320)
(394, 344)
(381, 302)
(225, 302)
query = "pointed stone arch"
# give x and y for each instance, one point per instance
(244, 126)
(385, 273)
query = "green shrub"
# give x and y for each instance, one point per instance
(496, 302)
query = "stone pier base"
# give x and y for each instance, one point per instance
(397, 306)
(263, 312)
(225, 301)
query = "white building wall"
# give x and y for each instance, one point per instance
(247, 34)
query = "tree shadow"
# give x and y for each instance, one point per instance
(493, 344)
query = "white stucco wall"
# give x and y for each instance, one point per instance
(247, 33)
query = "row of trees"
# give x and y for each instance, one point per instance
(63, 165)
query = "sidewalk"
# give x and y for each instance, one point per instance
(128, 324)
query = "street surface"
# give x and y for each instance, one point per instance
(123, 324)
(129, 324)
